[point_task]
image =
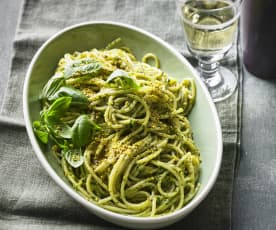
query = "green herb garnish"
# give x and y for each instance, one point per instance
(121, 79)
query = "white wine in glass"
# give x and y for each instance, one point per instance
(210, 28)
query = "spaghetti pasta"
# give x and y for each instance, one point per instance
(119, 128)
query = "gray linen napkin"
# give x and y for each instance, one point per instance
(29, 199)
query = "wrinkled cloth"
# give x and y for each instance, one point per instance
(29, 199)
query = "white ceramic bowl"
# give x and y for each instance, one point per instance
(204, 118)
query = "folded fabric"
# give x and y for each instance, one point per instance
(29, 199)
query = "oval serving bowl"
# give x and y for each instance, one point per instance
(204, 118)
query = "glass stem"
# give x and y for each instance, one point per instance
(209, 72)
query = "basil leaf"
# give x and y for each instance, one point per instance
(41, 132)
(74, 157)
(78, 98)
(52, 86)
(82, 130)
(122, 80)
(82, 67)
(58, 108)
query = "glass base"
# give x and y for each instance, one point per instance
(221, 86)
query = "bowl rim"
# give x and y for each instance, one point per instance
(74, 194)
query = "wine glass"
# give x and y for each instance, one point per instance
(210, 29)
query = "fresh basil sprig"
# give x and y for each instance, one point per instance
(80, 132)
(49, 121)
(78, 97)
(121, 79)
(70, 139)
(82, 67)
